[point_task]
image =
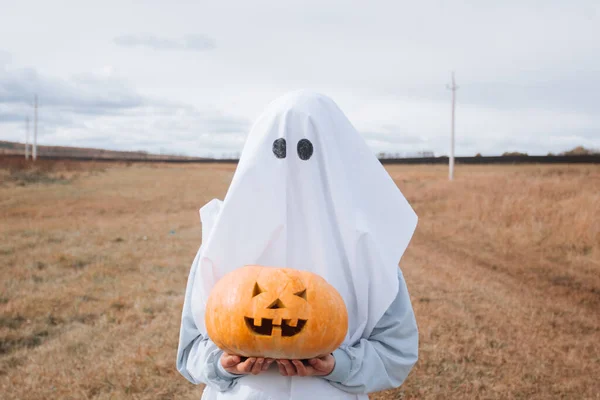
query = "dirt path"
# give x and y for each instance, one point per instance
(486, 334)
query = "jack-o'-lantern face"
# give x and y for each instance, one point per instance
(272, 312)
(278, 306)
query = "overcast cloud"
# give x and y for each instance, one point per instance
(191, 78)
(189, 42)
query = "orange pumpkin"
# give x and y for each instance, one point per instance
(271, 312)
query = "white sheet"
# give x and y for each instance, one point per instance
(337, 214)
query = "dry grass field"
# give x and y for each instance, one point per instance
(504, 273)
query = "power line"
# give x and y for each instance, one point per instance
(454, 88)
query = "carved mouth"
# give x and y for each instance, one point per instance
(266, 327)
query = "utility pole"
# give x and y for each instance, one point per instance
(27, 138)
(454, 88)
(35, 124)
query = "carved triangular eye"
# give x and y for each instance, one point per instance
(257, 290)
(301, 294)
(276, 304)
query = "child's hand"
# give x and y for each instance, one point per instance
(252, 365)
(320, 366)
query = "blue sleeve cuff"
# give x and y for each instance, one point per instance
(342, 368)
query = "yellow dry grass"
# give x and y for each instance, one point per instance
(504, 273)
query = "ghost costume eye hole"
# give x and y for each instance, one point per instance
(305, 149)
(279, 148)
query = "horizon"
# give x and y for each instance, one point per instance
(575, 151)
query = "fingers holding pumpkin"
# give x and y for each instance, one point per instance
(239, 368)
(229, 360)
(267, 364)
(258, 366)
(317, 364)
(282, 370)
(297, 367)
(246, 366)
(252, 365)
(322, 365)
(289, 368)
(300, 368)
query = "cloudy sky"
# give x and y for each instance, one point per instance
(190, 77)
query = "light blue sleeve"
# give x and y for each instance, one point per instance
(384, 360)
(197, 356)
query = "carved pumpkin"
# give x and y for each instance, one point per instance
(272, 312)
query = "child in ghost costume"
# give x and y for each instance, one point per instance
(308, 194)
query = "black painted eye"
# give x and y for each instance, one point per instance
(305, 149)
(279, 148)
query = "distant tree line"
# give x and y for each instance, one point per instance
(577, 151)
